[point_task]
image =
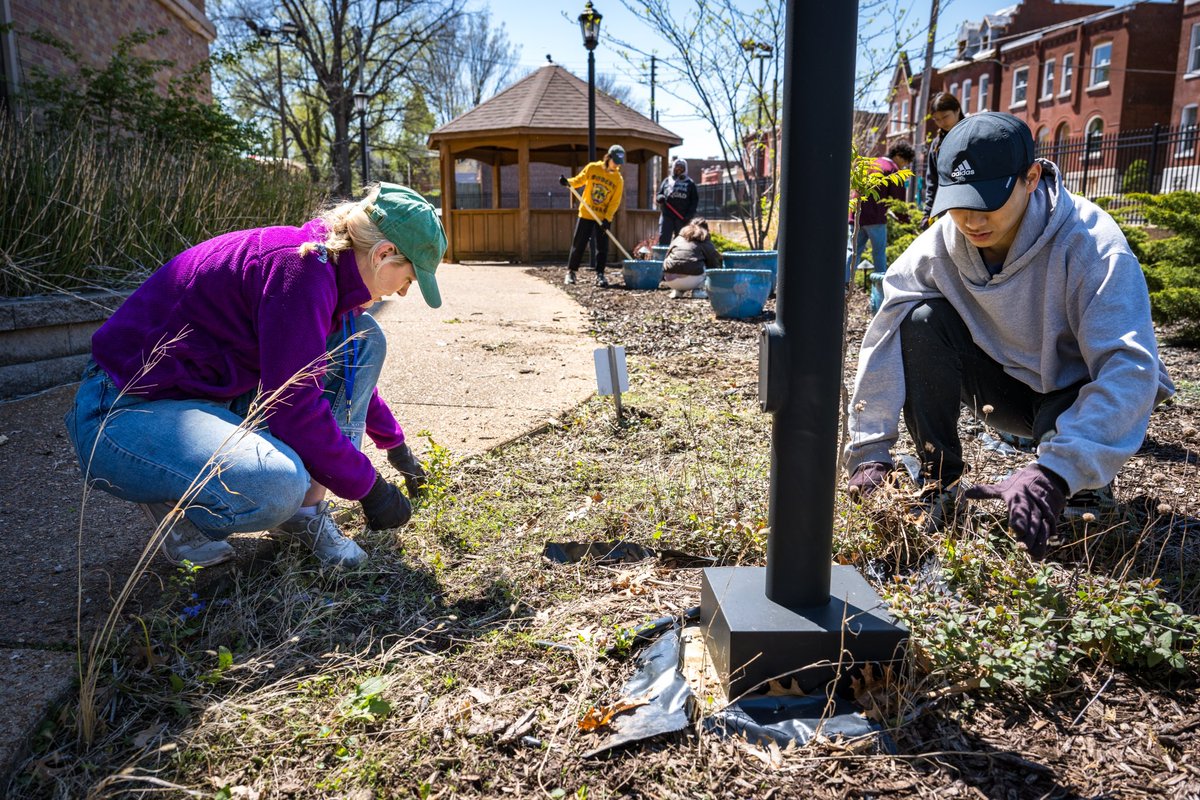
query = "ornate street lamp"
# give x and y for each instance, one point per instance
(275, 36)
(589, 26)
(360, 108)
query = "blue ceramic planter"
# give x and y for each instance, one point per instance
(753, 259)
(645, 274)
(659, 251)
(736, 293)
(876, 279)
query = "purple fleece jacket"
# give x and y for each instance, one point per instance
(248, 309)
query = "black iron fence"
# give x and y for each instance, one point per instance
(1154, 160)
(730, 200)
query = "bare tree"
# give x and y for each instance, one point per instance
(469, 61)
(334, 48)
(620, 93)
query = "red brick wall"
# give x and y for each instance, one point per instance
(1187, 85)
(1033, 14)
(93, 27)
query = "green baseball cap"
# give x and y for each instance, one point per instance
(411, 223)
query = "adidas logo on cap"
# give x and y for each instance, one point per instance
(963, 170)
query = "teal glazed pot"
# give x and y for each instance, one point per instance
(642, 274)
(659, 251)
(753, 259)
(736, 293)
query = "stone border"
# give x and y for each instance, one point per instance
(46, 340)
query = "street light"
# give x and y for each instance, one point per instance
(761, 51)
(589, 26)
(360, 107)
(275, 36)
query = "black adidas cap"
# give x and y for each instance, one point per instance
(979, 161)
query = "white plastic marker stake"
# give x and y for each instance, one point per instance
(611, 376)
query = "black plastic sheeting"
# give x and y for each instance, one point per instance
(617, 552)
(783, 719)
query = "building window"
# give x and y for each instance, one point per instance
(904, 116)
(1194, 50)
(1094, 135)
(1048, 80)
(983, 93)
(954, 90)
(1068, 72)
(966, 96)
(1187, 132)
(1101, 60)
(1020, 85)
(894, 121)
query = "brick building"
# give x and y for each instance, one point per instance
(1067, 69)
(92, 29)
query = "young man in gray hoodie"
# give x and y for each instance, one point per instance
(1024, 303)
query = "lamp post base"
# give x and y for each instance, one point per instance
(752, 639)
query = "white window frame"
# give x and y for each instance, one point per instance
(1106, 47)
(966, 95)
(1068, 74)
(954, 90)
(1187, 130)
(1021, 84)
(1088, 153)
(1193, 67)
(904, 121)
(984, 87)
(1048, 79)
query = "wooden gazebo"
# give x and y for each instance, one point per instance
(543, 119)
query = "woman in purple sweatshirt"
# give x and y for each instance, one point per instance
(237, 382)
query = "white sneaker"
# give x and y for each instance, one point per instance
(186, 542)
(323, 536)
(699, 294)
(676, 294)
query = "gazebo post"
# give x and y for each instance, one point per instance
(524, 215)
(496, 183)
(447, 169)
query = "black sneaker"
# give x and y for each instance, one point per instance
(602, 281)
(1097, 502)
(570, 279)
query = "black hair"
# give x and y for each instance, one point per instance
(902, 149)
(944, 101)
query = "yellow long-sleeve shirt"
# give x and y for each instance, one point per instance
(602, 190)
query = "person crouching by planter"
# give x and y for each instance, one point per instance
(602, 189)
(691, 252)
(1024, 303)
(237, 382)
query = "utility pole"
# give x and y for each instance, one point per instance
(653, 67)
(922, 105)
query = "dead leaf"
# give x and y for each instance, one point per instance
(479, 696)
(597, 718)
(519, 728)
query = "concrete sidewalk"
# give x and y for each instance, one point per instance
(504, 353)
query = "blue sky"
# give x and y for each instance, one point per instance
(542, 28)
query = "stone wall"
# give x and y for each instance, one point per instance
(45, 341)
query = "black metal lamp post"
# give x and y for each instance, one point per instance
(360, 108)
(589, 25)
(801, 614)
(275, 36)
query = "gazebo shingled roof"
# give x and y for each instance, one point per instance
(542, 118)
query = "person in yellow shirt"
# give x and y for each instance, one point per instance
(602, 186)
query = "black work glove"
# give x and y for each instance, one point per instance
(562, 179)
(1035, 496)
(868, 476)
(605, 224)
(660, 200)
(385, 507)
(406, 464)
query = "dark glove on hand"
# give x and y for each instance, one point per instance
(1035, 496)
(406, 464)
(660, 200)
(384, 506)
(563, 180)
(605, 224)
(868, 476)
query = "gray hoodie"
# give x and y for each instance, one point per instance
(1069, 305)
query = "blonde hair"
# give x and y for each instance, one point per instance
(696, 230)
(348, 227)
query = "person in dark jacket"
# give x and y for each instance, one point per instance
(691, 253)
(230, 392)
(945, 112)
(678, 200)
(872, 214)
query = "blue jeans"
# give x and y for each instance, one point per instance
(877, 235)
(152, 451)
